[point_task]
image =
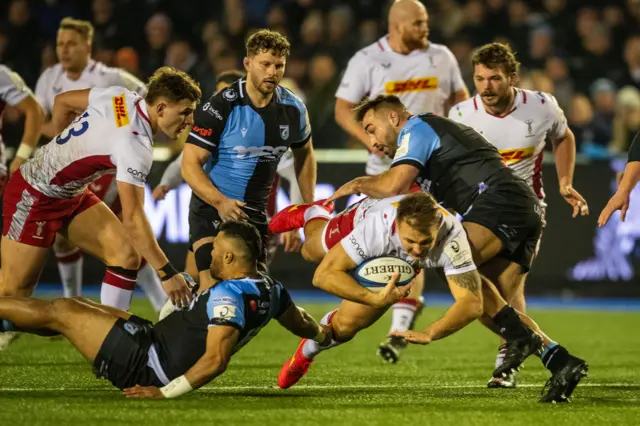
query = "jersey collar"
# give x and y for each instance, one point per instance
(383, 44)
(141, 108)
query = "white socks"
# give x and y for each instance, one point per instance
(403, 313)
(311, 348)
(316, 212)
(70, 268)
(150, 282)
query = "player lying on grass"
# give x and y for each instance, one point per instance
(413, 228)
(190, 347)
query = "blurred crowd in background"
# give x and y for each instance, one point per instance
(585, 52)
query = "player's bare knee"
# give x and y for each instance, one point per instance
(343, 329)
(310, 254)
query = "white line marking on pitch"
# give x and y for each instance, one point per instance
(321, 387)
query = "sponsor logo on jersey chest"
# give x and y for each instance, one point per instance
(120, 111)
(511, 156)
(412, 85)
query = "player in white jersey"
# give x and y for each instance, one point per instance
(49, 194)
(518, 122)
(425, 76)
(411, 227)
(75, 71)
(14, 92)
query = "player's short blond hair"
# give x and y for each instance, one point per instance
(420, 211)
(173, 85)
(84, 28)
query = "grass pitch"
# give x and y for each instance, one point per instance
(45, 382)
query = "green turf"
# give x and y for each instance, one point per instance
(47, 382)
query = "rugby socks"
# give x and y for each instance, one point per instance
(510, 325)
(70, 268)
(554, 357)
(117, 287)
(150, 282)
(311, 348)
(403, 314)
(316, 212)
(500, 357)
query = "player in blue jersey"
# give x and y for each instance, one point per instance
(190, 347)
(232, 153)
(501, 214)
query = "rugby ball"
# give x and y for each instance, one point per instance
(377, 272)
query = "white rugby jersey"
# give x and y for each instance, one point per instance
(113, 135)
(375, 235)
(520, 135)
(423, 80)
(13, 90)
(54, 81)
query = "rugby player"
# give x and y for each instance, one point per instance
(630, 177)
(14, 92)
(413, 228)
(187, 349)
(49, 193)
(518, 122)
(76, 70)
(427, 78)
(172, 178)
(502, 215)
(232, 152)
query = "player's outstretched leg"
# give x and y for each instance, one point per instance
(346, 322)
(150, 282)
(21, 268)
(294, 217)
(86, 327)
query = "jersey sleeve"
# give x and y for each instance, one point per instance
(209, 120)
(133, 158)
(455, 113)
(356, 80)
(558, 120)
(13, 89)
(456, 255)
(172, 176)
(457, 82)
(634, 149)
(131, 82)
(366, 241)
(42, 86)
(226, 306)
(416, 144)
(305, 126)
(284, 300)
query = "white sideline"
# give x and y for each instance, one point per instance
(321, 387)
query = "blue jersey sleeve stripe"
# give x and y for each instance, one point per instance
(201, 139)
(410, 161)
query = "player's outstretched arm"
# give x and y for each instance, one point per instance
(466, 288)
(395, 181)
(34, 119)
(332, 276)
(193, 159)
(66, 106)
(139, 230)
(221, 340)
(302, 324)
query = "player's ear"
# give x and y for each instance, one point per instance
(394, 118)
(229, 257)
(246, 62)
(160, 108)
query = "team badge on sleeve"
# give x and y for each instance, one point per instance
(224, 312)
(403, 149)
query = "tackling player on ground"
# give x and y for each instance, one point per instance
(49, 193)
(190, 347)
(427, 78)
(518, 123)
(232, 153)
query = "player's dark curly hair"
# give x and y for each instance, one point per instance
(248, 235)
(268, 40)
(496, 55)
(420, 210)
(380, 101)
(172, 84)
